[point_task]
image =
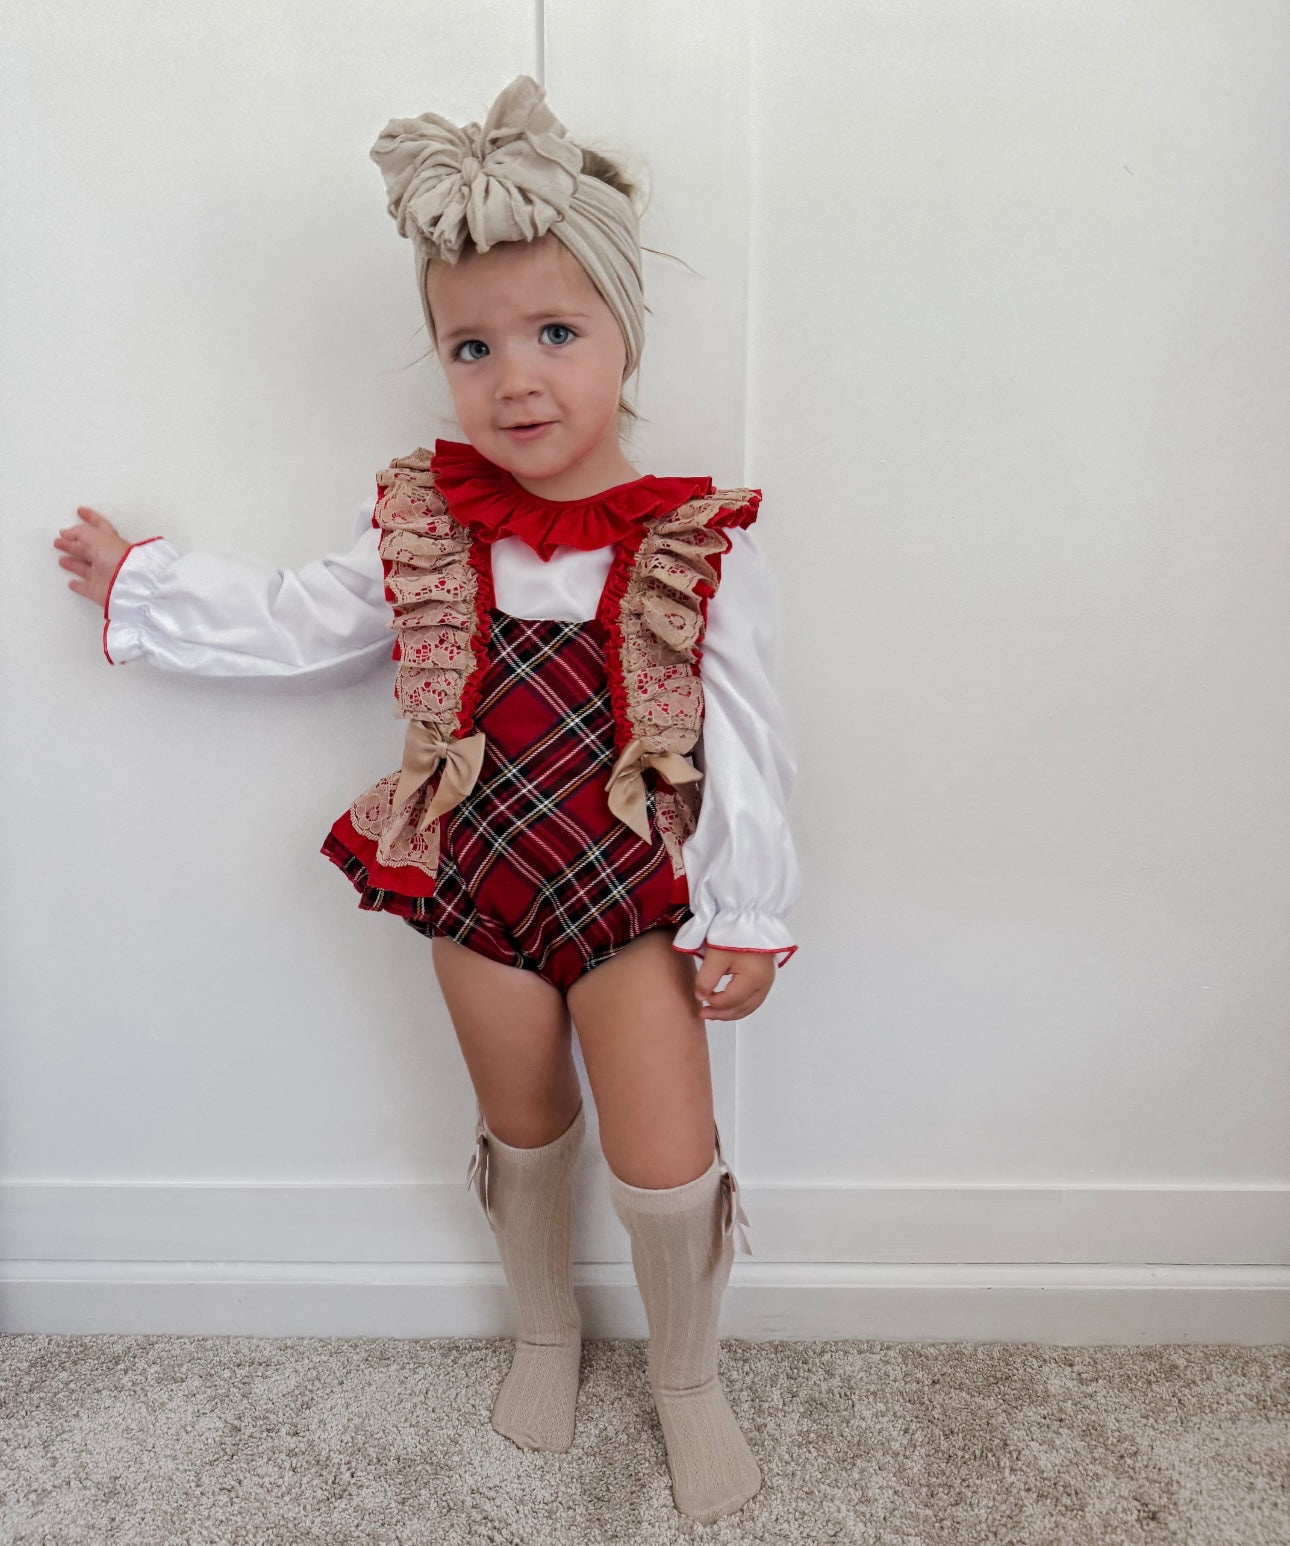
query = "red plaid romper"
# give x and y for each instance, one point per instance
(535, 870)
(531, 866)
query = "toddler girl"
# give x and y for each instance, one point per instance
(552, 608)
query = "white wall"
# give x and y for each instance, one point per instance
(1020, 359)
(988, 301)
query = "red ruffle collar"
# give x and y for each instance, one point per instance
(488, 499)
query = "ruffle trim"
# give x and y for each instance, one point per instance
(482, 563)
(439, 581)
(609, 615)
(737, 515)
(401, 889)
(493, 504)
(654, 611)
(406, 891)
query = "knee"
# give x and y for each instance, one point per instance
(657, 1168)
(534, 1123)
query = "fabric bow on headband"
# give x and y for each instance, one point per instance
(507, 182)
(513, 180)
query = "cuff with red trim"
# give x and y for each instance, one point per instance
(127, 596)
(787, 951)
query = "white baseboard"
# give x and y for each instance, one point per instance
(1058, 1265)
(1074, 1305)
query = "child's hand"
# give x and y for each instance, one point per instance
(751, 975)
(93, 552)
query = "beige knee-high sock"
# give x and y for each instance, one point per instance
(528, 1197)
(682, 1259)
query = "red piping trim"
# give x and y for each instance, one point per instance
(609, 614)
(111, 583)
(479, 553)
(749, 950)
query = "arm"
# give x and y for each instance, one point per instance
(325, 624)
(740, 861)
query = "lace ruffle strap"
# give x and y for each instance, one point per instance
(477, 1171)
(733, 1218)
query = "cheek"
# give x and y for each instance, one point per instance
(466, 397)
(606, 382)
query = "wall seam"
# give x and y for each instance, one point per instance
(539, 42)
(746, 139)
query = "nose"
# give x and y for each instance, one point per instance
(516, 378)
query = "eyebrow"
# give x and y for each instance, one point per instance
(537, 316)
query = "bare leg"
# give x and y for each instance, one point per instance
(514, 1032)
(515, 1036)
(646, 1051)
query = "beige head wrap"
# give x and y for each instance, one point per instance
(515, 179)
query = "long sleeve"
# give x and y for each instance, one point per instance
(325, 624)
(740, 862)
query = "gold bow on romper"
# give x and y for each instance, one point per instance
(626, 786)
(424, 747)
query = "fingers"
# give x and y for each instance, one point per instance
(751, 974)
(89, 516)
(739, 1005)
(741, 995)
(76, 553)
(90, 551)
(73, 536)
(72, 539)
(80, 567)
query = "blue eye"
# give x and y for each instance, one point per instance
(465, 344)
(561, 327)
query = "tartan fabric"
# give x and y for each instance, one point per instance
(534, 869)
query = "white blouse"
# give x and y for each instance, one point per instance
(328, 624)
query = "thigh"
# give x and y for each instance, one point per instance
(515, 1035)
(646, 1050)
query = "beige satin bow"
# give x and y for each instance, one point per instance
(733, 1215)
(626, 786)
(477, 1170)
(424, 747)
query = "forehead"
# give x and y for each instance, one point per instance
(511, 279)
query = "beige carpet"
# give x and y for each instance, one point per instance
(244, 1441)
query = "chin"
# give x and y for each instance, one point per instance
(533, 462)
(540, 460)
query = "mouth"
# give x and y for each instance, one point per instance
(528, 431)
